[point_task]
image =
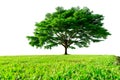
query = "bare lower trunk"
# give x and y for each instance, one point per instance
(65, 46)
(65, 50)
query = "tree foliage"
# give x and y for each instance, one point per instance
(69, 27)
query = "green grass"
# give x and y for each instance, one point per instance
(59, 67)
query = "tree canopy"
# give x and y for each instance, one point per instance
(69, 28)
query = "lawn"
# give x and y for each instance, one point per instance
(59, 67)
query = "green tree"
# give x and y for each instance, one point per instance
(69, 27)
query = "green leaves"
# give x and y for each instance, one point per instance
(69, 26)
(71, 47)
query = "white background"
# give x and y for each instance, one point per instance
(18, 17)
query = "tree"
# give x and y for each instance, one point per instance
(69, 27)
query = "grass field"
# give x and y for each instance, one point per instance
(59, 67)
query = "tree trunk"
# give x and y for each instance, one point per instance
(65, 46)
(65, 50)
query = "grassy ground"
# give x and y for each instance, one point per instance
(59, 67)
